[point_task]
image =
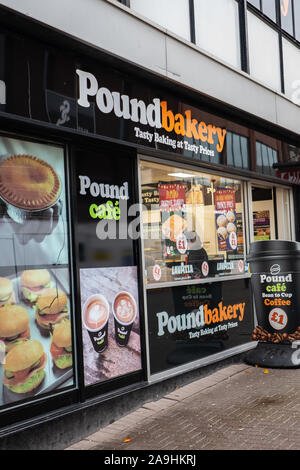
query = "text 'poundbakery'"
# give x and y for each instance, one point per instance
(155, 114)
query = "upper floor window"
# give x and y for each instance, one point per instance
(265, 158)
(264, 54)
(173, 15)
(286, 15)
(217, 29)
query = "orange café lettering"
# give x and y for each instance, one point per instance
(156, 114)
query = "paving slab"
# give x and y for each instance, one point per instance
(240, 407)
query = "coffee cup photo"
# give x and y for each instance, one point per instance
(124, 311)
(95, 319)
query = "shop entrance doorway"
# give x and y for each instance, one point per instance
(270, 213)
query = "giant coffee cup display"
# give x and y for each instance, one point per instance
(95, 319)
(275, 268)
(124, 310)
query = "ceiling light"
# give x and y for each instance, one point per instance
(181, 175)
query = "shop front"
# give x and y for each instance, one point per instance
(127, 211)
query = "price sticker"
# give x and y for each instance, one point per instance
(278, 318)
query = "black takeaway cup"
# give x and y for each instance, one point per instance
(124, 311)
(275, 279)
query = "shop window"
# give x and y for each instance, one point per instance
(265, 158)
(286, 15)
(192, 224)
(237, 151)
(269, 9)
(263, 52)
(170, 14)
(34, 269)
(219, 16)
(291, 61)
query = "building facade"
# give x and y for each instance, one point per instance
(144, 147)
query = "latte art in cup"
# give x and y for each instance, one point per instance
(124, 308)
(96, 314)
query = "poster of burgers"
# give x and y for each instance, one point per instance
(35, 315)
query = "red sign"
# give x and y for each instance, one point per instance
(293, 176)
(225, 199)
(171, 197)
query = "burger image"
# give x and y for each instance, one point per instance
(61, 346)
(14, 326)
(24, 367)
(51, 308)
(6, 291)
(34, 282)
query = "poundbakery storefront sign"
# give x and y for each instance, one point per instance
(197, 321)
(157, 122)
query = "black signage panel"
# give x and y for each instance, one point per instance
(188, 323)
(69, 90)
(107, 226)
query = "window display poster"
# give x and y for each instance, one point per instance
(226, 220)
(261, 225)
(111, 323)
(33, 227)
(35, 308)
(188, 323)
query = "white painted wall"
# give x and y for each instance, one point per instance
(110, 26)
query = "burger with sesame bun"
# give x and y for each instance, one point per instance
(6, 291)
(24, 367)
(61, 346)
(14, 326)
(34, 282)
(51, 308)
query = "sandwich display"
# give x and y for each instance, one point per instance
(6, 291)
(51, 308)
(24, 368)
(61, 346)
(34, 282)
(14, 326)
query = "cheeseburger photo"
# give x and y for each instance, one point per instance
(24, 367)
(51, 308)
(61, 346)
(6, 291)
(14, 326)
(34, 282)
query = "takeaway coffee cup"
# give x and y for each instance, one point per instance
(275, 268)
(124, 311)
(95, 320)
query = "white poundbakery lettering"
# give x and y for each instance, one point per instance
(180, 322)
(121, 105)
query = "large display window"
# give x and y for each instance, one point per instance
(193, 225)
(35, 307)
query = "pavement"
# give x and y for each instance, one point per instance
(240, 407)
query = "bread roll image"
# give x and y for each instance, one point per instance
(230, 216)
(221, 221)
(231, 227)
(222, 232)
